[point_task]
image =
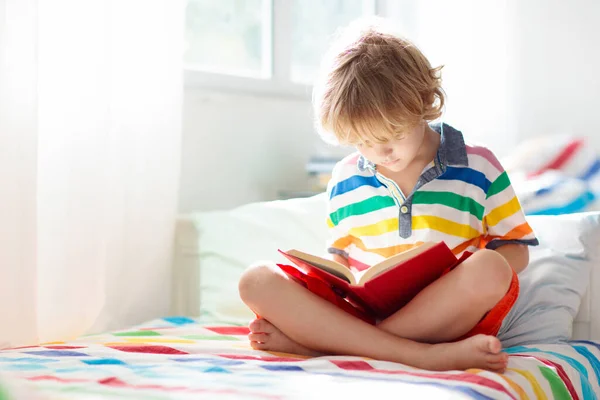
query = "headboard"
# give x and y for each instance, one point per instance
(186, 281)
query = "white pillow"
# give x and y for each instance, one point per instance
(232, 240)
(556, 279)
(551, 287)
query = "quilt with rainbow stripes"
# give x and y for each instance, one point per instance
(181, 358)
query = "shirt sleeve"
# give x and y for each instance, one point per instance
(339, 239)
(504, 221)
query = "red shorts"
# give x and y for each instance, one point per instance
(491, 322)
(488, 325)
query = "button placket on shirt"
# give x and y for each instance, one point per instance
(405, 214)
(405, 219)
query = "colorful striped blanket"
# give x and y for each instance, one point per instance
(556, 175)
(181, 358)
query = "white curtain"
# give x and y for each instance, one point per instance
(90, 127)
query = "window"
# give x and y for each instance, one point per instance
(229, 37)
(262, 45)
(314, 23)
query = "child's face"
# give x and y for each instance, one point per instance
(397, 153)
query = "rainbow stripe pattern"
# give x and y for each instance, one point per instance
(180, 358)
(464, 197)
(557, 175)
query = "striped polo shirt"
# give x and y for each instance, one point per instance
(463, 198)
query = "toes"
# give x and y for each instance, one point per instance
(494, 345)
(498, 365)
(497, 358)
(258, 337)
(255, 325)
(258, 346)
(261, 325)
(497, 362)
(489, 344)
(268, 327)
(501, 358)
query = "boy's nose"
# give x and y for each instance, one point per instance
(384, 151)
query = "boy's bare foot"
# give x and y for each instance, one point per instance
(479, 351)
(265, 336)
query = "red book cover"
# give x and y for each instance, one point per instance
(390, 290)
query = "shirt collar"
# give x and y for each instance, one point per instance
(363, 164)
(452, 150)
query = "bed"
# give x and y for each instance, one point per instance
(209, 357)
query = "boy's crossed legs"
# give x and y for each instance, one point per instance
(295, 320)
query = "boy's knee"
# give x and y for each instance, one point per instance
(255, 280)
(490, 276)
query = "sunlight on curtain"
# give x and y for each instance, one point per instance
(90, 127)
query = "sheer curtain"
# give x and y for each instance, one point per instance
(90, 127)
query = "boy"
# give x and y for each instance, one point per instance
(409, 182)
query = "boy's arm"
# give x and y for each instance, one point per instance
(505, 225)
(517, 256)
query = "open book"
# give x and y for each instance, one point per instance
(383, 288)
(359, 277)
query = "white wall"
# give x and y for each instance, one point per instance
(470, 38)
(557, 47)
(239, 148)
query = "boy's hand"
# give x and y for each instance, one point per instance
(341, 260)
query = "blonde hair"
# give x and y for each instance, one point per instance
(374, 85)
